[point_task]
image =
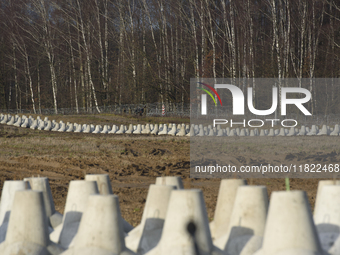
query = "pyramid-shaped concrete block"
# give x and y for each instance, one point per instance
(290, 225)
(170, 180)
(147, 234)
(164, 131)
(247, 221)
(76, 202)
(4, 120)
(7, 197)
(42, 184)
(130, 129)
(224, 206)
(327, 218)
(56, 127)
(28, 232)
(100, 231)
(105, 188)
(321, 184)
(155, 130)
(147, 129)
(335, 131)
(186, 207)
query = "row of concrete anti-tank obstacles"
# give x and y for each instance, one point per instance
(162, 129)
(174, 220)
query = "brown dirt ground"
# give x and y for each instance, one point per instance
(132, 162)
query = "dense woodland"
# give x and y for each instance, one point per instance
(84, 54)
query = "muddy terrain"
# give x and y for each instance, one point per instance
(134, 161)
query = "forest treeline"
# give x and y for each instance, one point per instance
(84, 54)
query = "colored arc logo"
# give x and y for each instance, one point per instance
(213, 90)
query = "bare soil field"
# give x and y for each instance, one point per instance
(134, 161)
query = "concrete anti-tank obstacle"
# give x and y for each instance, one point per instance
(246, 132)
(34, 125)
(121, 130)
(335, 131)
(78, 129)
(181, 131)
(48, 126)
(185, 206)
(290, 227)
(271, 132)
(41, 125)
(224, 206)
(321, 184)
(327, 218)
(25, 124)
(87, 129)
(62, 127)
(56, 127)
(69, 128)
(7, 197)
(155, 130)
(11, 121)
(324, 131)
(103, 183)
(28, 232)
(18, 122)
(76, 201)
(252, 133)
(147, 234)
(114, 129)
(97, 130)
(173, 130)
(281, 132)
(192, 131)
(105, 188)
(5, 119)
(138, 129)
(200, 132)
(147, 129)
(130, 129)
(215, 130)
(262, 133)
(247, 222)
(41, 184)
(291, 132)
(313, 131)
(100, 230)
(164, 131)
(232, 133)
(303, 131)
(220, 132)
(242, 132)
(170, 180)
(211, 132)
(105, 130)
